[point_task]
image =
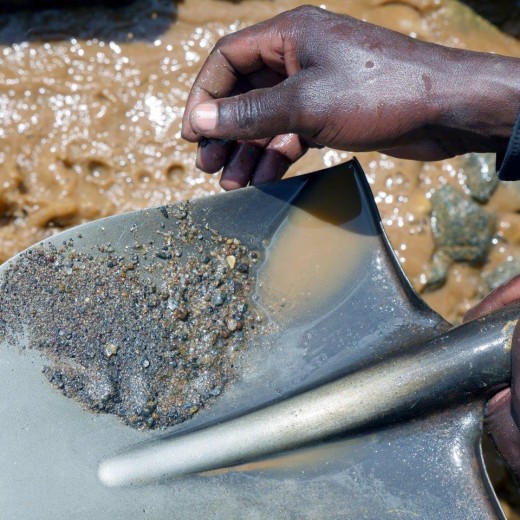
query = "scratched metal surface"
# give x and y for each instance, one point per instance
(429, 467)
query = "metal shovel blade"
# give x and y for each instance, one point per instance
(405, 441)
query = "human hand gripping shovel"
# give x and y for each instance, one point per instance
(348, 396)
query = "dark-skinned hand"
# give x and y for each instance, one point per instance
(311, 77)
(502, 419)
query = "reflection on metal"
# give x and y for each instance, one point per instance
(323, 241)
(470, 358)
(370, 407)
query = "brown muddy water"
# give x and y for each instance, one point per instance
(91, 102)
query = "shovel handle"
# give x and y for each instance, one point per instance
(460, 365)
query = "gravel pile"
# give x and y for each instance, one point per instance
(152, 344)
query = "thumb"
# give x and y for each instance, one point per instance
(257, 114)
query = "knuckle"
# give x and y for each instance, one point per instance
(306, 15)
(224, 42)
(307, 9)
(247, 112)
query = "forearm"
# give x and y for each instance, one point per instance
(477, 101)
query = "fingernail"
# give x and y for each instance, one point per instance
(204, 117)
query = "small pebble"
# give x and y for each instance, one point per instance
(243, 268)
(110, 350)
(232, 325)
(231, 261)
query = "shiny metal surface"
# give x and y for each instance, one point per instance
(392, 390)
(405, 433)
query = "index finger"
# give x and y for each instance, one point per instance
(234, 56)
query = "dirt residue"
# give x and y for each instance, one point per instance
(150, 344)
